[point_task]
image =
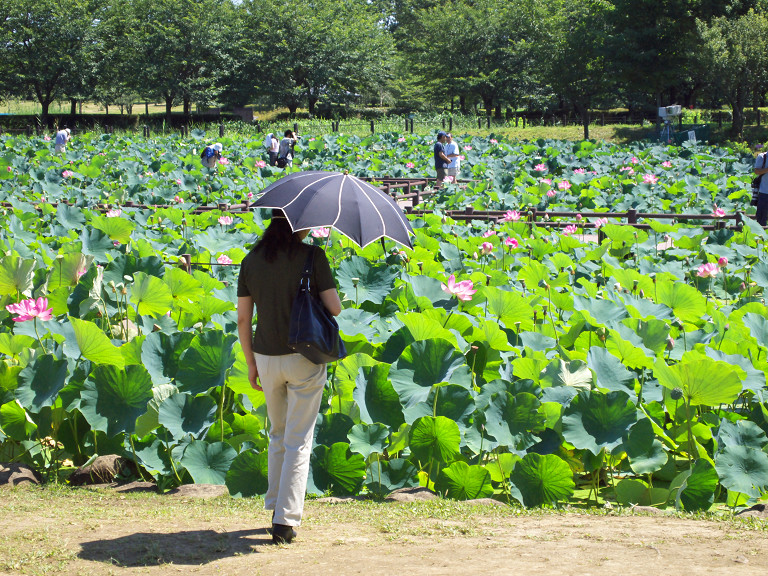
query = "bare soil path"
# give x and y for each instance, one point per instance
(82, 532)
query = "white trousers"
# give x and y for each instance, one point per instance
(293, 387)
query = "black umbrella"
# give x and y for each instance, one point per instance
(314, 199)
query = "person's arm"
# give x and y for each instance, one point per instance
(245, 332)
(444, 157)
(761, 162)
(332, 302)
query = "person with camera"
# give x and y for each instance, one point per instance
(211, 155)
(441, 160)
(760, 169)
(285, 151)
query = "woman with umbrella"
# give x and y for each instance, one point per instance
(292, 385)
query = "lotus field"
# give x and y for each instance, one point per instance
(507, 360)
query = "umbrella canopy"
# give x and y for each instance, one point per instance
(314, 199)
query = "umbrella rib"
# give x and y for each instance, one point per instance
(391, 205)
(296, 197)
(376, 209)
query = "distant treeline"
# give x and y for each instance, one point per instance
(561, 58)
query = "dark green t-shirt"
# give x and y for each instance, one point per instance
(273, 286)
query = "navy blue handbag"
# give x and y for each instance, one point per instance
(313, 332)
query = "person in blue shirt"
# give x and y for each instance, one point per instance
(441, 160)
(62, 137)
(211, 155)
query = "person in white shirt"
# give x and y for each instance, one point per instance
(452, 151)
(273, 146)
(62, 137)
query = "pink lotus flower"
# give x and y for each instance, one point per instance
(249, 195)
(650, 179)
(225, 220)
(570, 229)
(547, 181)
(179, 182)
(579, 217)
(321, 232)
(449, 179)
(551, 193)
(600, 222)
(487, 247)
(114, 213)
(489, 233)
(409, 165)
(564, 185)
(66, 173)
(467, 148)
(628, 169)
(47, 138)
(462, 290)
(512, 216)
(579, 171)
(401, 139)
(462, 157)
(509, 241)
(116, 244)
(635, 160)
(9, 169)
(667, 164)
(708, 270)
(494, 141)
(718, 213)
(540, 167)
(224, 259)
(30, 309)
(260, 164)
(722, 262)
(223, 161)
(177, 199)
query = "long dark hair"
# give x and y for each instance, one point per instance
(277, 237)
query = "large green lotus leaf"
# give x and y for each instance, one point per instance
(14, 344)
(332, 428)
(15, 423)
(740, 433)
(594, 421)
(183, 414)
(758, 327)
(703, 382)
(428, 290)
(653, 332)
(247, 476)
(373, 284)
(41, 381)
(16, 275)
(388, 475)
(610, 373)
(208, 463)
(113, 398)
(154, 456)
(118, 229)
(561, 373)
(451, 401)
(205, 363)
(9, 380)
(337, 469)
(93, 344)
(646, 454)
(422, 327)
(534, 272)
(424, 364)
(204, 309)
(128, 265)
(148, 421)
(687, 303)
(601, 312)
(95, 243)
(760, 274)
(354, 321)
(630, 491)
(238, 382)
(513, 421)
(461, 481)
(367, 439)
(376, 398)
(150, 295)
(161, 352)
(182, 285)
(434, 439)
(509, 307)
(543, 479)
(68, 269)
(71, 217)
(752, 379)
(743, 469)
(697, 487)
(500, 467)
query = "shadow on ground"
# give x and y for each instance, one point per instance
(183, 548)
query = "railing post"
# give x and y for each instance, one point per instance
(531, 220)
(632, 216)
(221, 129)
(372, 127)
(295, 128)
(411, 125)
(479, 122)
(450, 124)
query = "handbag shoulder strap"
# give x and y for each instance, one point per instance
(306, 272)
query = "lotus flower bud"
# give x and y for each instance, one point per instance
(670, 343)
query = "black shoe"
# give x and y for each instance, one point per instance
(282, 534)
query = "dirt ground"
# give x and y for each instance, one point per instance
(85, 533)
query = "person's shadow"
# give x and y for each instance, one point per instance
(188, 547)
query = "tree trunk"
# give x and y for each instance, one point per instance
(292, 107)
(45, 105)
(72, 106)
(583, 111)
(187, 105)
(311, 101)
(106, 109)
(463, 104)
(488, 105)
(168, 107)
(737, 127)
